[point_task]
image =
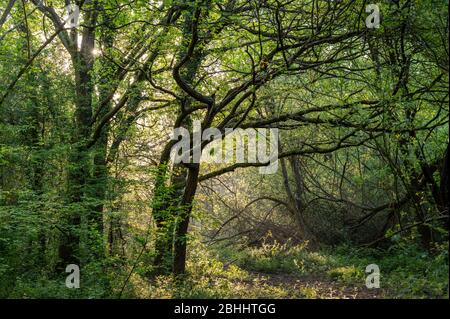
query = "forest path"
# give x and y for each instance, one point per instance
(310, 286)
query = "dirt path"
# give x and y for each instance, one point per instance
(312, 286)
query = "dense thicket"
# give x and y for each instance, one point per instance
(86, 113)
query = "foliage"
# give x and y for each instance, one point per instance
(88, 175)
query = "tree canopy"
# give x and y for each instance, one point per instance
(91, 92)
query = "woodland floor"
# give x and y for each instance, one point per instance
(317, 285)
(281, 272)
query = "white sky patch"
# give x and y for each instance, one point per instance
(96, 52)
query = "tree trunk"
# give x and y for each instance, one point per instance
(79, 161)
(181, 228)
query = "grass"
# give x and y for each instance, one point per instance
(405, 270)
(270, 271)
